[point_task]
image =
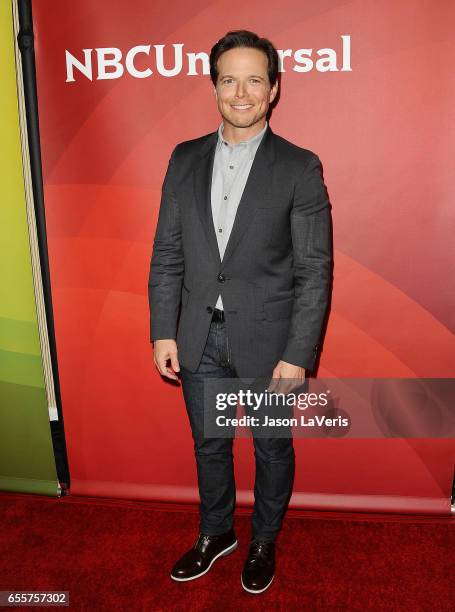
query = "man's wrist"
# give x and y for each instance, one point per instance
(159, 339)
(303, 359)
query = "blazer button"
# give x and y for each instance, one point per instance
(221, 278)
(209, 309)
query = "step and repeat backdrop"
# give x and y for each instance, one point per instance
(369, 88)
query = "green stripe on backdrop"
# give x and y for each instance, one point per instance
(26, 454)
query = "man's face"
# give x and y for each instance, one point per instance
(243, 91)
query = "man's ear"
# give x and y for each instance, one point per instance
(215, 92)
(273, 91)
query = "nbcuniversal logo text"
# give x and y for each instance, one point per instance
(110, 63)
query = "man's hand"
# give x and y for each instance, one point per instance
(286, 377)
(163, 351)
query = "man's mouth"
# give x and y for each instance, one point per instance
(241, 107)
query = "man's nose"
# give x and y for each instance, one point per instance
(240, 90)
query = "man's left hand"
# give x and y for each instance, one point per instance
(286, 377)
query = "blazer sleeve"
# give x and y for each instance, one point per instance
(167, 263)
(313, 262)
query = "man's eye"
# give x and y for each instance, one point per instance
(226, 81)
(255, 80)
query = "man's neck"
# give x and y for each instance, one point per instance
(234, 134)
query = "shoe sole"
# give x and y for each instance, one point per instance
(256, 592)
(223, 553)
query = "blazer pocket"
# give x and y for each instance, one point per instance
(271, 208)
(281, 309)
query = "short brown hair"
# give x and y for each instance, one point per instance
(244, 38)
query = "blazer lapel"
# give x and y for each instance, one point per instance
(256, 190)
(203, 191)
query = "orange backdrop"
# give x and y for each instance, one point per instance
(381, 130)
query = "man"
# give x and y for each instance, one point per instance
(239, 285)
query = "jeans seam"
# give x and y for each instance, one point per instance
(217, 344)
(228, 349)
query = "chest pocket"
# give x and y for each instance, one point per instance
(272, 223)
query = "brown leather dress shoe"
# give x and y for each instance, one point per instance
(259, 569)
(207, 549)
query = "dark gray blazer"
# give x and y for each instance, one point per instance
(275, 276)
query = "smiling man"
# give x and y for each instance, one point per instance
(239, 285)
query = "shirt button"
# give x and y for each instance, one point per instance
(220, 230)
(221, 278)
(209, 309)
(225, 197)
(231, 167)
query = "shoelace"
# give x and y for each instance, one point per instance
(258, 551)
(202, 542)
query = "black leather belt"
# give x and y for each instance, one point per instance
(218, 315)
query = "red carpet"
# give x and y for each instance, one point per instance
(114, 555)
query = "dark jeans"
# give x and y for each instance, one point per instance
(214, 459)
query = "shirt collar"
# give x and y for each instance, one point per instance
(251, 144)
